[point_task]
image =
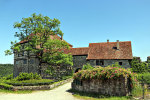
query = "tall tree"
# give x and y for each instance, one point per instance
(36, 31)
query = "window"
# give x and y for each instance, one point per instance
(25, 61)
(97, 62)
(120, 63)
(23, 53)
(16, 62)
(31, 61)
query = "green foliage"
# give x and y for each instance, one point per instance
(137, 90)
(115, 65)
(54, 55)
(66, 77)
(105, 73)
(5, 86)
(6, 69)
(32, 82)
(146, 78)
(37, 31)
(87, 66)
(9, 77)
(139, 67)
(27, 76)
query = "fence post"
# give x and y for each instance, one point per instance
(143, 87)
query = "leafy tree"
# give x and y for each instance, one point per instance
(139, 67)
(35, 32)
(6, 69)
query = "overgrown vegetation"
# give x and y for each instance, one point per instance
(87, 66)
(31, 82)
(105, 73)
(28, 76)
(6, 69)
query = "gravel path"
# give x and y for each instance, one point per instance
(59, 93)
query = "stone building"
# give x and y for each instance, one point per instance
(97, 54)
(28, 62)
(102, 54)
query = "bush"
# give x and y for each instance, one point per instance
(30, 82)
(146, 78)
(87, 66)
(9, 77)
(27, 76)
(115, 65)
(137, 90)
(5, 86)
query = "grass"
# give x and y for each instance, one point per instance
(86, 96)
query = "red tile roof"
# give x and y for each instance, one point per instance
(51, 36)
(106, 50)
(78, 51)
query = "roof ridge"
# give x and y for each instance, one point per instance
(108, 42)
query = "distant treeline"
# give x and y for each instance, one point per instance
(6, 69)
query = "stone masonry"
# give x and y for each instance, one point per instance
(111, 87)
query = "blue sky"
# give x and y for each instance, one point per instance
(83, 21)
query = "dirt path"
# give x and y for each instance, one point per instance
(59, 93)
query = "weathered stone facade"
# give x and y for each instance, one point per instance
(25, 63)
(80, 60)
(111, 87)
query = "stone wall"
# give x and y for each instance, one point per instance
(111, 87)
(80, 60)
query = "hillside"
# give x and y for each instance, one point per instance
(6, 69)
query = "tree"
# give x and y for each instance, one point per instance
(139, 67)
(36, 31)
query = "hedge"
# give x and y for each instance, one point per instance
(30, 82)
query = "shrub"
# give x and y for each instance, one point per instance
(9, 77)
(115, 65)
(5, 86)
(105, 73)
(30, 82)
(146, 78)
(87, 66)
(27, 76)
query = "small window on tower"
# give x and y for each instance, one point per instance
(120, 63)
(25, 61)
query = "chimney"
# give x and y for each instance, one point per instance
(61, 37)
(117, 44)
(107, 40)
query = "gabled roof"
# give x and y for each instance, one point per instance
(105, 50)
(52, 37)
